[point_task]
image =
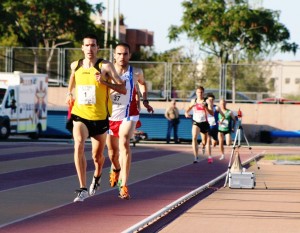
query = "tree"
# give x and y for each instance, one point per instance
(47, 23)
(100, 8)
(44, 22)
(231, 31)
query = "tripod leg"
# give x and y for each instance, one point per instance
(239, 136)
(231, 155)
(250, 148)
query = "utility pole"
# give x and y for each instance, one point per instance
(112, 21)
(112, 29)
(118, 21)
(106, 24)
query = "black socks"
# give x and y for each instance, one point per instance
(97, 179)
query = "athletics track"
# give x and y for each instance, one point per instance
(38, 180)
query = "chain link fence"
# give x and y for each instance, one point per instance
(267, 82)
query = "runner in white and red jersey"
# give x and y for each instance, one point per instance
(125, 115)
(201, 108)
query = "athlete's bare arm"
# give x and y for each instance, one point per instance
(69, 98)
(208, 108)
(221, 112)
(108, 72)
(138, 98)
(189, 108)
(140, 80)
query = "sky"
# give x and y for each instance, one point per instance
(159, 15)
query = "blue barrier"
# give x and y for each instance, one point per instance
(56, 124)
(154, 125)
(288, 134)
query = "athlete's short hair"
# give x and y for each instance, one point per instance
(124, 45)
(210, 95)
(200, 88)
(90, 36)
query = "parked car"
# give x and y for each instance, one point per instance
(239, 96)
(277, 101)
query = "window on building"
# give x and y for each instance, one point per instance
(297, 80)
(272, 83)
(287, 80)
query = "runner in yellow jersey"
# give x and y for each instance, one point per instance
(92, 79)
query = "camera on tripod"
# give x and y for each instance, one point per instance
(240, 179)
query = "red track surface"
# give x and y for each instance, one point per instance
(105, 212)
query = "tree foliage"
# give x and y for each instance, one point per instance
(249, 77)
(225, 30)
(46, 22)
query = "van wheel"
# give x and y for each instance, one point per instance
(37, 133)
(4, 131)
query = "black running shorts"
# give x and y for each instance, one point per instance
(203, 126)
(94, 127)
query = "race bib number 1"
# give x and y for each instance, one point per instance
(86, 94)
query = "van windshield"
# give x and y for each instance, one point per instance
(2, 93)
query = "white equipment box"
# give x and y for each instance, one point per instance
(242, 180)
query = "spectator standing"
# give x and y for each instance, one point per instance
(172, 115)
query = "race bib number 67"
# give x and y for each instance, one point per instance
(86, 94)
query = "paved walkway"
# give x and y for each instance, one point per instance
(276, 209)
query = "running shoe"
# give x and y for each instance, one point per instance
(114, 177)
(124, 193)
(196, 160)
(210, 160)
(94, 186)
(222, 157)
(81, 195)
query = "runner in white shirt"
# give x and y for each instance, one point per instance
(124, 117)
(200, 123)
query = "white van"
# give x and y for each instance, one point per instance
(23, 104)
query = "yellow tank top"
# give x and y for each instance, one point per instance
(92, 100)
